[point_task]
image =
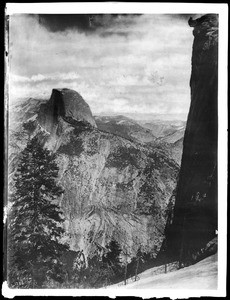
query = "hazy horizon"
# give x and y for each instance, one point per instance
(147, 116)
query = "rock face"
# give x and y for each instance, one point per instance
(68, 105)
(114, 187)
(195, 214)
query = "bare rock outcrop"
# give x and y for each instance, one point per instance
(68, 105)
(195, 214)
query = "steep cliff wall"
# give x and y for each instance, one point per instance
(114, 187)
(195, 214)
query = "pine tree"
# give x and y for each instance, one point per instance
(113, 253)
(35, 220)
(138, 259)
(28, 128)
(112, 259)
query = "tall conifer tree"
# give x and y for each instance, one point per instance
(35, 225)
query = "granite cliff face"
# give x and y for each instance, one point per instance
(114, 187)
(68, 105)
(195, 214)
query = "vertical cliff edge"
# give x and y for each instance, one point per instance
(194, 221)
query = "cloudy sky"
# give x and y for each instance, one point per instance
(118, 63)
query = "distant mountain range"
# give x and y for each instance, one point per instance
(149, 116)
(164, 128)
(124, 127)
(164, 134)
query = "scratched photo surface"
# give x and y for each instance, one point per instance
(112, 132)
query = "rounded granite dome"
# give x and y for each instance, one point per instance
(69, 105)
(72, 105)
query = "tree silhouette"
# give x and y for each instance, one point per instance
(112, 259)
(35, 220)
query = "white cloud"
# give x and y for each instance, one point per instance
(148, 69)
(39, 77)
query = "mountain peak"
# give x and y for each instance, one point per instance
(67, 104)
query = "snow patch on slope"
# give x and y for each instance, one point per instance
(202, 275)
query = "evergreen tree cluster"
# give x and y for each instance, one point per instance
(35, 220)
(106, 268)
